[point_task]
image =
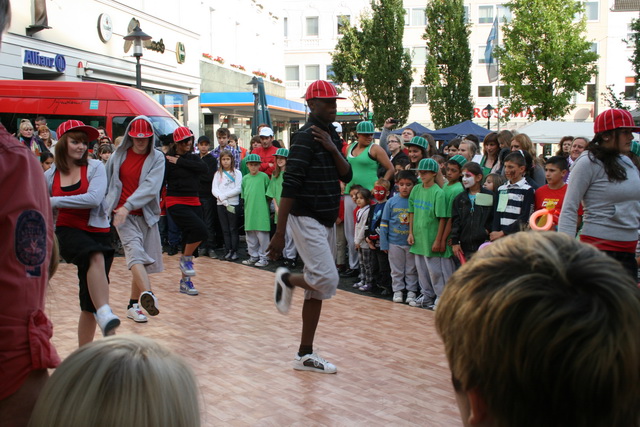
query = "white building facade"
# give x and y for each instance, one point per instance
(311, 31)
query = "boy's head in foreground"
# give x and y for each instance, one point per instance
(541, 330)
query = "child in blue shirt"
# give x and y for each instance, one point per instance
(394, 231)
(379, 259)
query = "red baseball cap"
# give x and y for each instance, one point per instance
(182, 133)
(140, 129)
(77, 126)
(322, 89)
(614, 119)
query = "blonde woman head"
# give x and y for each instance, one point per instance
(125, 381)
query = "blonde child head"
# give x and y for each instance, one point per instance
(126, 381)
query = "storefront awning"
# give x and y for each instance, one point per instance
(242, 101)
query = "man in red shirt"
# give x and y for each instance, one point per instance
(26, 227)
(266, 151)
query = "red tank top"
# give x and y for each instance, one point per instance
(74, 218)
(130, 172)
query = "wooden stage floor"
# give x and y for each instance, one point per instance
(391, 366)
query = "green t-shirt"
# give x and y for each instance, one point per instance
(428, 206)
(275, 191)
(450, 193)
(256, 208)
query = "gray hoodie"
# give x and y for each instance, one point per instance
(147, 195)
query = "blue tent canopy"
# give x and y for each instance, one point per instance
(415, 126)
(464, 128)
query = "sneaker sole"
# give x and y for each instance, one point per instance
(137, 320)
(312, 369)
(283, 304)
(188, 273)
(110, 327)
(189, 293)
(148, 303)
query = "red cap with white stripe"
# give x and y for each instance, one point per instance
(614, 119)
(140, 129)
(182, 133)
(77, 126)
(322, 89)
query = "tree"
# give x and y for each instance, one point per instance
(348, 67)
(371, 63)
(635, 56)
(545, 58)
(447, 74)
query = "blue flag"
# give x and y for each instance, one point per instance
(489, 58)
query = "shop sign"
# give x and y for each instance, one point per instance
(38, 59)
(155, 46)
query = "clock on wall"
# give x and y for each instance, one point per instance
(105, 27)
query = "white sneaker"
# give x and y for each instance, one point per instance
(411, 296)
(186, 266)
(250, 261)
(136, 314)
(315, 363)
(282, 293)
(422, 301)
(358, 284)
(107, 321)
(398, 296)
(150, 303)
(186, 287)
(261, 263)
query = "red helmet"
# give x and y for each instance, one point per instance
(182, 133)
(140, 129)
(77, 126)
(614, 119)
(321, 89)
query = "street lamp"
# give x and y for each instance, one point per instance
(137, 36)
(488, 109)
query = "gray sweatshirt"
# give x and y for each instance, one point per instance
(147, 195)
(611, 209)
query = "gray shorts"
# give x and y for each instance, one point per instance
(316, 246)
(141, 243)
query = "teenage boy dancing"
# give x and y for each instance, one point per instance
(309, 207)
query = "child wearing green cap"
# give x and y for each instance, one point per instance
(451, 190)
(256, 212)
(427, 219)
(289, 253)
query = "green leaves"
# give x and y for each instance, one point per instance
(370, 61)
(447, 75)
(545, 57)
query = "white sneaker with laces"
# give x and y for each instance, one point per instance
(315, 363)
(107, 321)
(150, 303)
(282, 293)
(186, 266)
(411, 296)
(398, 296)
(135, 314)
(261, 263)
(250, 261)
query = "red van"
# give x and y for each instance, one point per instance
(96, 104)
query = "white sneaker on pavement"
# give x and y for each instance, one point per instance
(135, 314)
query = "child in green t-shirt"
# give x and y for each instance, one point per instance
(256, 212)
(427, 220)
(289, 253)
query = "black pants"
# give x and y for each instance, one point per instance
(229, 226)
(208, 210)
(628, 261)
(381, 269)
(189, 221)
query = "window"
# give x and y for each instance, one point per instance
(485, 91)
(292, 75)
(285, 22)
(330, 75)
(312, 26)
(594, 47)
(485, 14)
(591, 92)
(629, 39)
(418, 17)
(419, 95)
(591, 10)
(481, 58)
(312, 72)
(406, 16)
(343, 22)
(503, 91)
(467, 18)
(504, 14)
(419, 55)
(630, 88)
